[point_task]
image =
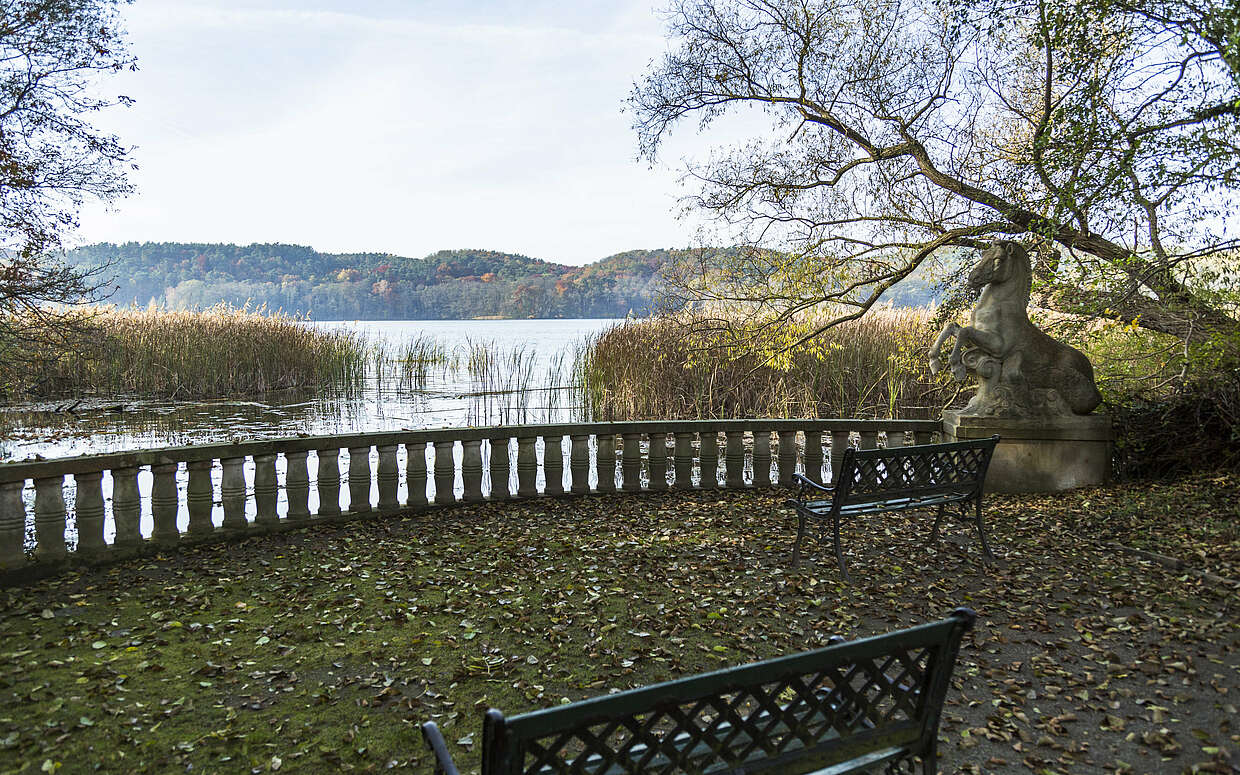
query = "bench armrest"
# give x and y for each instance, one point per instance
(434, 740)
(805, 483)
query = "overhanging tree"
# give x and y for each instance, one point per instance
(52, 160)
(899, 131)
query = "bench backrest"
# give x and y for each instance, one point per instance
(866, 701)
(925, 469)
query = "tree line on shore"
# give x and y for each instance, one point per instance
(446, 285)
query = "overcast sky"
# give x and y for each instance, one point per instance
(391, 126)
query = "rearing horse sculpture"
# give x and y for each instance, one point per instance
(1021, 371)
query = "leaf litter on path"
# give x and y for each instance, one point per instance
(322, 649)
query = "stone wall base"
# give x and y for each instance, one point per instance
(1045, 455)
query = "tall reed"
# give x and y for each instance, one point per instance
(409, 365)
(501, 381)
(669, 368)
(213, 352)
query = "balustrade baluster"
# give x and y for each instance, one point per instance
(328, 484)
(445, 473)
(684, 461)
(471, 470)
(527, 466)
(501, 467)
(232, 492)
(923, 437)
(199, 498)
(579, 463)
(734, 458)
(658, 461)
(415, 468)
(126, 508)
(869, 440)
(265, 494)
(895, 439)
(88, 513)
(761, 458)
(297, 485)
(787, 457)
(49, 519)
(606, 462)
(708, 445)
(553, 464)
(813, 455)
(839, 443)
(12, 525)
(388, 477)
(359, 480)
(631, 462)
(164, 504)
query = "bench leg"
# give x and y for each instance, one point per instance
(981, 532)
(938, 520)
(930, 760)
(839, 555)
(796, 547)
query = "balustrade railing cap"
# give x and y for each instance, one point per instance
(21, 470)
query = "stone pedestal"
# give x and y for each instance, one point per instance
(1042, 455)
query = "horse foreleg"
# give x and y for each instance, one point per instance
(988, 342)
(936, 349)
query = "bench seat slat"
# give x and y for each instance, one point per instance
(864, 763)
(823, 508)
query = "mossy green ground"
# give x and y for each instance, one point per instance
(321, 650)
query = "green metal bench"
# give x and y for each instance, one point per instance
(850, 707)
(942, 476)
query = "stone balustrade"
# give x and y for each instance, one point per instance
(99, 507)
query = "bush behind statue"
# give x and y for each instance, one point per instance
(1195, 428)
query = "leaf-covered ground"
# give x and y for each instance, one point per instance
(320, 650)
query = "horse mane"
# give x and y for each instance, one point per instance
(1017, 251)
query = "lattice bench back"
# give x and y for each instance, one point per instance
(854, 705)
(927, 469)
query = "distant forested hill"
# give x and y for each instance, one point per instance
(450, 284)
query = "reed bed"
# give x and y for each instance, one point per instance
(671, 367)
(410, 365)
(188, 354)
(501, 381)
(507, 387)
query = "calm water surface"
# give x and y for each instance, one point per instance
(449, 398)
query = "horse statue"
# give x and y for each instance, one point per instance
(1021, 371)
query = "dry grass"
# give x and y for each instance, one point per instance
(218, 351)
(672, 368)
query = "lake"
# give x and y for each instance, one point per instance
(542, 351)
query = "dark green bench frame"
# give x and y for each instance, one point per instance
(850, 707)
(946, 476)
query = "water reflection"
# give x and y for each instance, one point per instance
(534, 385)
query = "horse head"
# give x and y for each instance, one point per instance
(1002, 262)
